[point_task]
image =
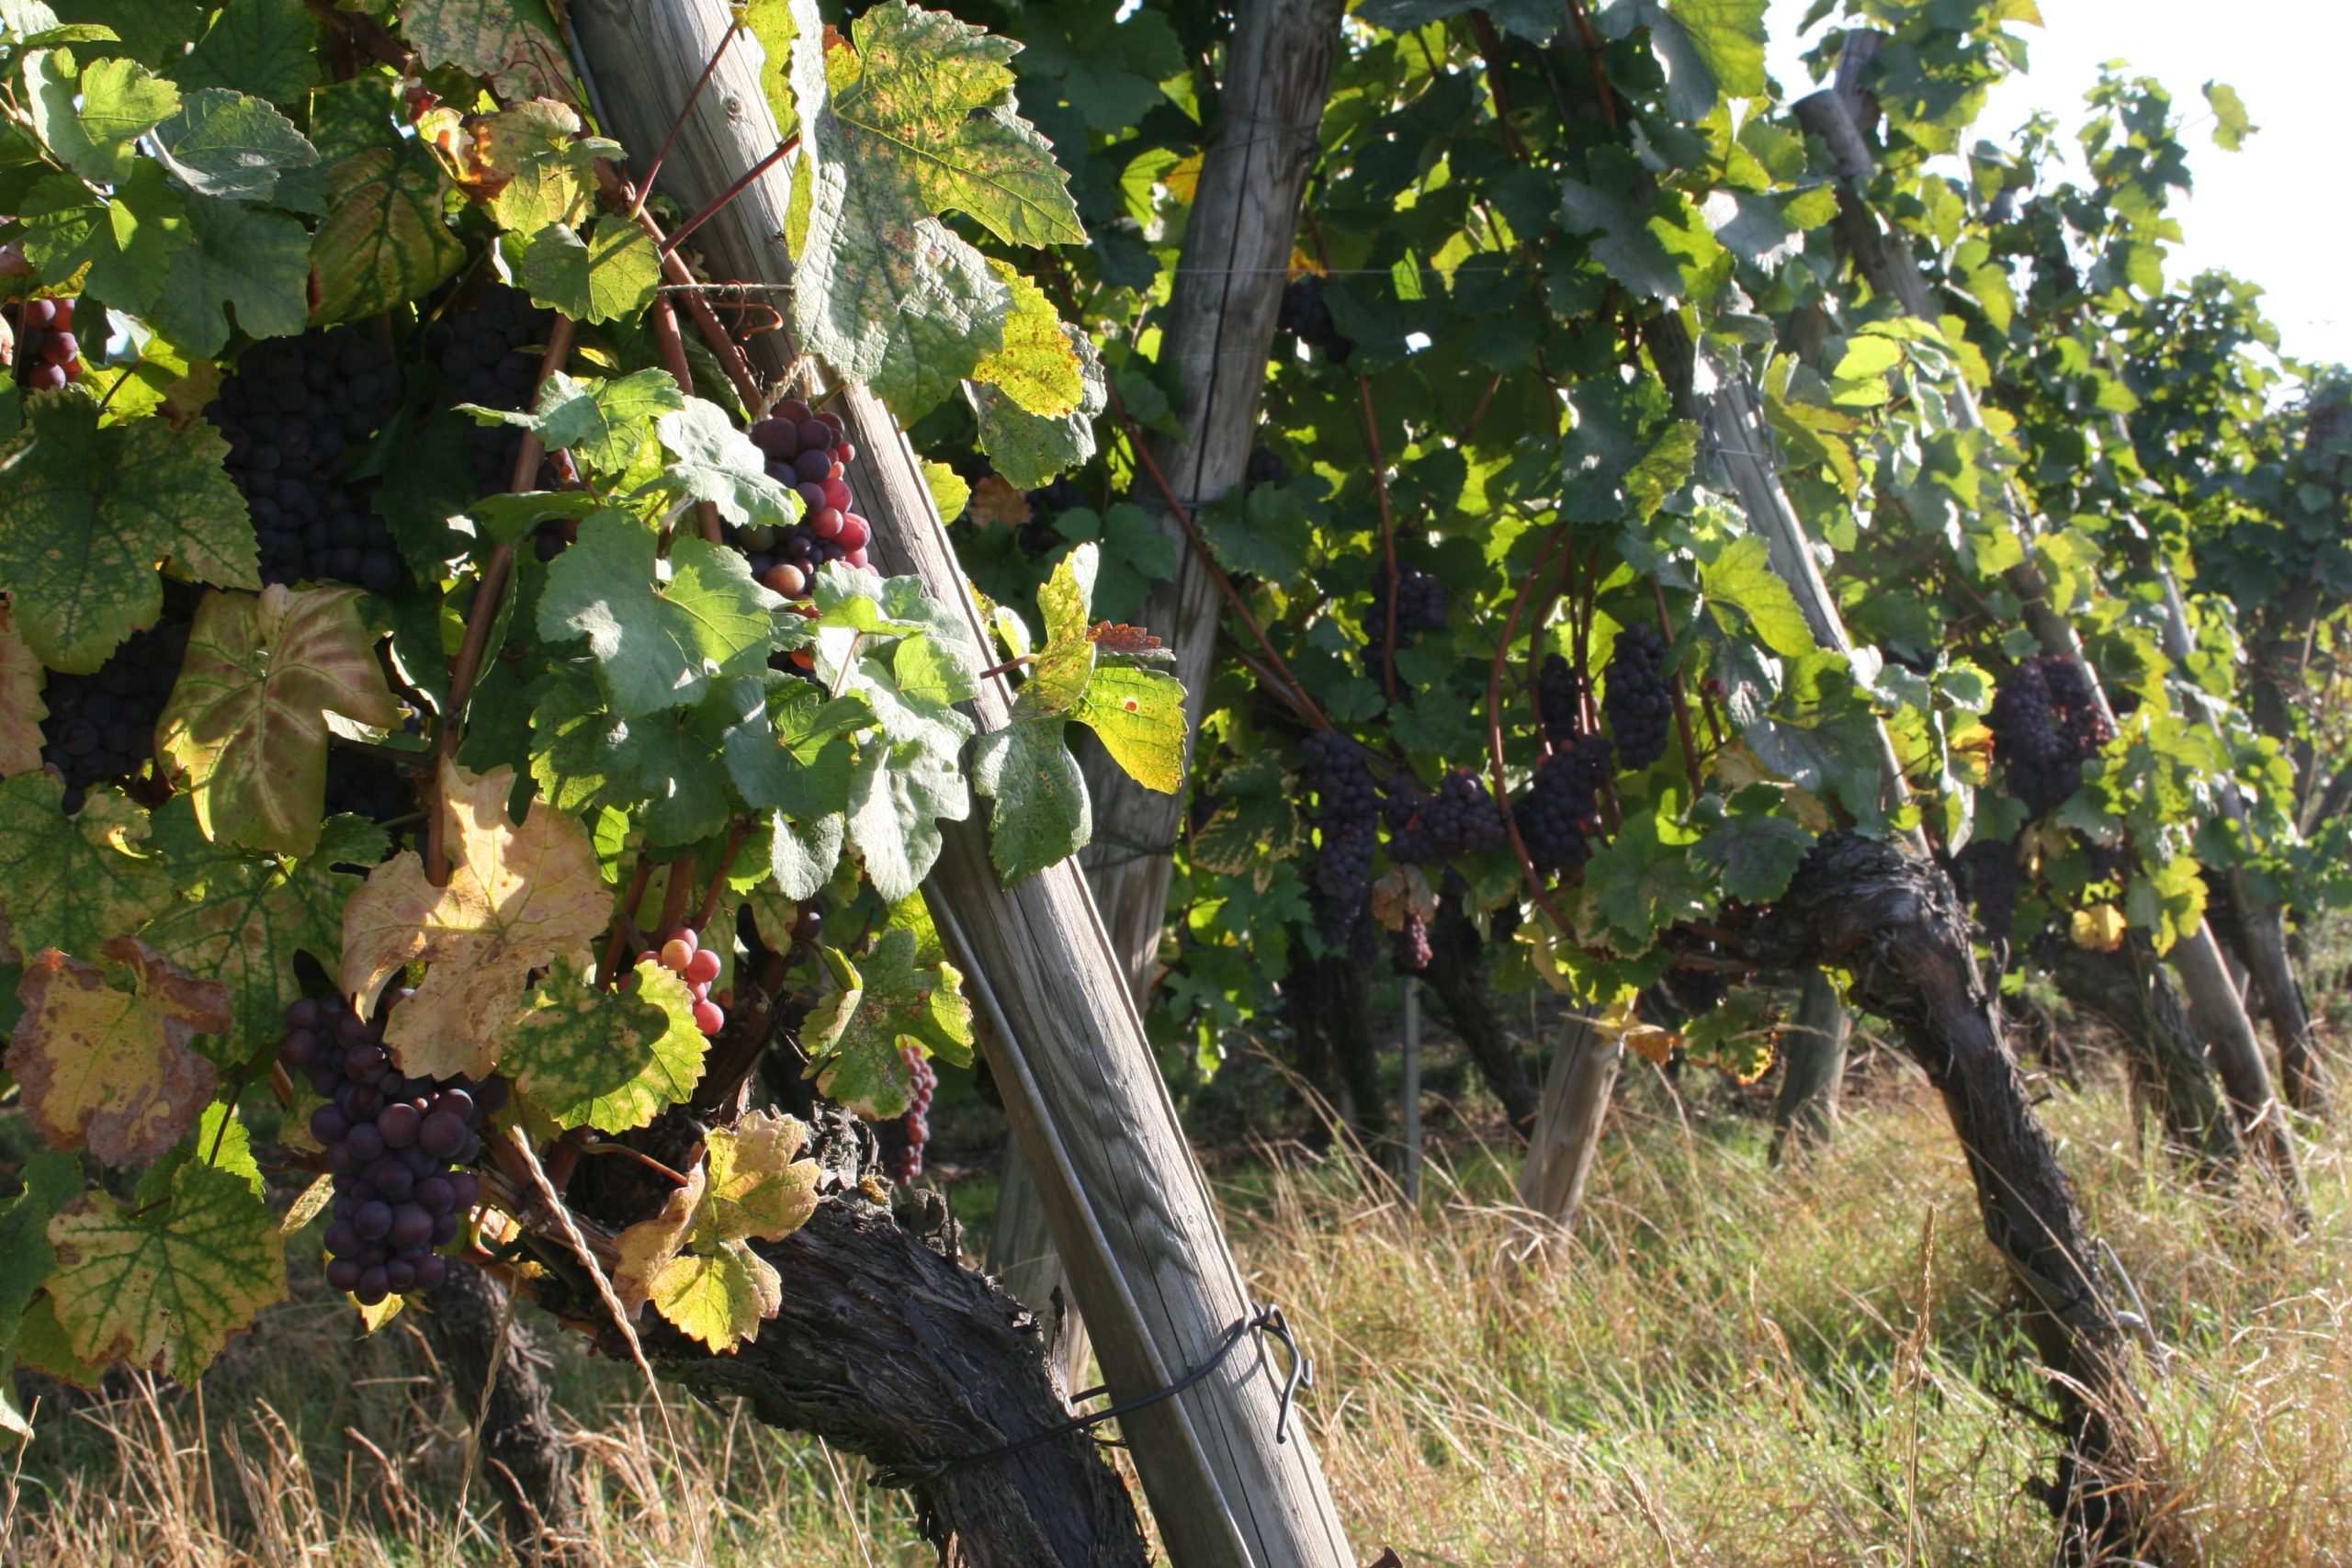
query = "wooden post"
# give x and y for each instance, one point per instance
(1409, 1091)
(1131, 1214)
(1021, 1254)
(1567, 1130)
(1813, 1051)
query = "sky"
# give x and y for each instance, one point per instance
(2272, 212)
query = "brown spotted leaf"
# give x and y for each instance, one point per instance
(520, 897)
(246, 727)
(647, 1248)
(1117, 640)
(511, 44)
(21, 709)
(995, 503)
(111, 1069)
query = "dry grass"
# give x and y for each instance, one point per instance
(1737, 1366)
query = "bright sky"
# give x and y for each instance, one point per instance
(2270, 213)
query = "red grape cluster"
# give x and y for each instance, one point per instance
(1640, 700)
(807, 452)
(102, 725)
(904, 1137)
(394, 1145)
(48, 356)
(1412, 953)
(2046, 721)
(684, 957)
(490, 354)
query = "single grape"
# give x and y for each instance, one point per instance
(676, 954)
(702, 967)
(708, 1018)
(398, 1124)
(374, 1221)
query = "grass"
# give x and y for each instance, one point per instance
(1735, 1366)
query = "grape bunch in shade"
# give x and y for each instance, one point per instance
(48, 354)
(1459, 817)
(1347, 815)
(1987, 873)
(102, 725)
(805, 452)
(1639, 703)
(489, 354)
(288, 411)
(2046, 722)
(1306, 315)
(1560, 814)
(684, 957)
(369, 784)
(396, 1147)
(1558, 700)
(1420, 602)
(1411, 954)
(902, 1137)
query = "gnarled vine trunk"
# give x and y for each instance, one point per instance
(1457, 973)
(523, 1459)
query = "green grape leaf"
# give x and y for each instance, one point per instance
(573, 1044)
(602, 423)
(150, 31)
(673, 1060)
(92, 117)
(802, 853)
(384, 242)
(721, 1297)
(576, 748)
(165, 1288)
(1269, 536)
(111, 1070)
(223, 1143)
(255, 262)
(266, 48)
(608, 277)
(245, 730)
(50, 1182)
(877, 1007)
(949, 493)
(1139, 716)
(795, 755)
(713, 461)
(226, 145)
(543, 169)
(241, 919)
(659, 643)
(1108, 63)
(1535, 20)
(85, 513)
(1640, 884)
(1658, 245)
(1711, 49)
(779, 25)
(1755, 854)
(1042, 814)
(898, 797)
(1057, 675)
(21, 708)
(1137, 553)
(1029, 450)
(1743, 577)
(2232, 125)
(518, 898)
(1037, 367)
(74, 883)
(511, 44)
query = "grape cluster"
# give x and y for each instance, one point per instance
(1420, 602)
(1640, 700)
(102, 725)
(1458, 818)
(369, 784)
(1557, 700)
(1561, 812)
(1987, 873)
(904, 1137)
(286, 411)
(395, 1145)
(1412, 953)
(2045, 721)
(1306, 315)
(1265, 468)
(807, 452)
(684, 957)
(48, 355)
(490, 355)
(1347, 814)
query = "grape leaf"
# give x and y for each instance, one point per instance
(1138, 714)
(1743, 577)
(853, 1035)
(112, 1069)
(715, 462)
(751, 1187)
(644, 1248)
(74, 884)
(1058, 676)
(267, 48)
(21, 708)
(1535, 20)
(256, 262)
(246, 725)
(573, 1046)
(384, 241)
(52, 1181)
(519, 898)
(1029, 450)
(86, 512)
(1041, 815)
(166, 1287)
(1035, 367)
(898, 796)
(759, 1188)
(720, 1297)
(91, 116)
(608, 277)
(674, 1062)
(794, 754)
(536, 167)
(1137, 553)
(659, 641)
(513, 44)
(602, 423)
(1711, 49)
(1755, 854)
(151, 32)
(1640, 884)
(802, 853)
(224, 145)
(241, 919)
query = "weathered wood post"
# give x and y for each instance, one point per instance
(1130, 1213)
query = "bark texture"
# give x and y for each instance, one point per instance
(523, 1461)
(1457, 976)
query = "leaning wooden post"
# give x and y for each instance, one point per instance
(1131, 1214)
(1409, 1093)
(1813, 1049)
(1567, 1130)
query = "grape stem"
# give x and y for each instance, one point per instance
(653, 173)
(647, 1160)
(675, 894)
(1681, 696)
(674, 356)
(490, 590)
(624, 924)
(737, 832)
(1495, 729)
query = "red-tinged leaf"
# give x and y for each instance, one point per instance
(1112, 640)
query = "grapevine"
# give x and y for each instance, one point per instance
(1637, 697)
(2046, 722)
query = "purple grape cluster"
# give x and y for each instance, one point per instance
(2046, 720)
(1987, 873)
(48, 355)
(806, 451)
(1639, 703)
(102, 725)
(1421, 603)
(1411, 954)
(902, 1137)
(490, 355)
(394, 1145)
(1561, 811)
(288, 411)
(1347, 817)
(1557, 700)
(1306, 315)
(1458, 818)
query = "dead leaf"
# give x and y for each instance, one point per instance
(995, 503)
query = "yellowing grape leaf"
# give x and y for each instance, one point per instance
(719, 1298)
(852, 1037)
(246, 727)
(511, 44)
(759, 1188)
(519, 899)
(21, 709)
(751, 1187)
(1037, 367)
(111, 1069)
(164, 1288)
(671, 1068)
(2099, 928)
(646, 1248)
(74, 881)
(609, 1060)
(1138, 714)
